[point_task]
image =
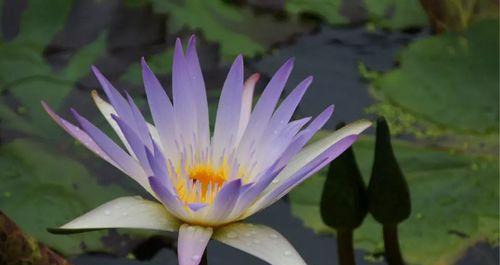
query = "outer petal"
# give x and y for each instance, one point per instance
(123, 212)
(79, 135)
(260, 241)
(192, 243)
(115, 152)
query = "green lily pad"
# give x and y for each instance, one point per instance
(42, 189)
(329, 10)
(396, 14)
(28, 78)
(449, 80)
(392, 14)
(454, 200)
(236, 28)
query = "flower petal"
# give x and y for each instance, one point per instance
(228, 118)
(264, 108)
(107, 110)
(79, 135)
(123, 212)
(192, 243)
(246, 104)
(260, 241)
(200, 93)
(314, 150)
(161, 109)
(183, 97)
(115, 152)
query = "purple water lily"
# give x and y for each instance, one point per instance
(207, 184)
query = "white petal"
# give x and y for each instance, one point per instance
(260, 241)
(192, 243)
(124, 212)
(107, 109)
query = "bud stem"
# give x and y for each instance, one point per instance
(345, 247)
(391, 244)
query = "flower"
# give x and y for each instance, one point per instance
(207, 184)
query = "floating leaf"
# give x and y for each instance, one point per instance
(454, 203)
(237, 29)
(396, 14)
(329, 10)
(449, 80)
(393, 14)
(41, 189)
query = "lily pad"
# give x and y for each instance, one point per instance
(28, 78)
(392, 14)
(454, 200)
(236, 28)
(450, 80)
(42, 189)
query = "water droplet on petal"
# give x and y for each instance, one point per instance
(195, 257)
(273, 236)
(107, 212)
(232, 235)
(124, 214)
(276, 180)
(287, 253)
(256, 241)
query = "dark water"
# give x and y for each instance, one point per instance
(330, 54)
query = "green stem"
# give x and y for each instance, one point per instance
(391, 244)
(345, 247)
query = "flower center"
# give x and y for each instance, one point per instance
(207, 175)
(202, 183)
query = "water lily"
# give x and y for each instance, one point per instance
(207, 184)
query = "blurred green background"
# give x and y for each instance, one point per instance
(430, 67)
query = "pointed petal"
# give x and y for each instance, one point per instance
(227, 121)
(123, 212)
(137, 145)
(260, 241)
(284, 112)
(183, 95)
(79, 135)
(246, 104)
(264, 108)
(161, 109)
(304, 136)
(314, 150)
(192, 243)
(167, 197)
(115, 152)
(200, 93)
(225, 200)
(119, 103)
(107, 110)
(279, 190)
